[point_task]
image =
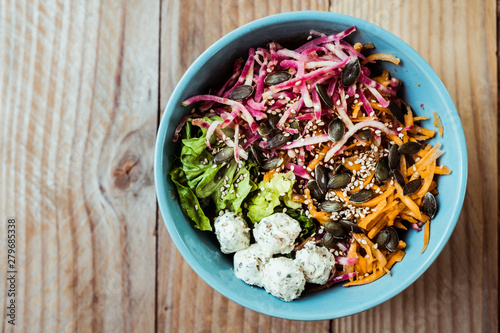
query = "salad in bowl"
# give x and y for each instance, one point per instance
(307, 166)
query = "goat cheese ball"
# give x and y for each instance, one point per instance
(249, 263)
(276, 233)
(283, 278)
(232, 233)
(316, 262)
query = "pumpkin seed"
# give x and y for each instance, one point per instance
(323, 94)
(278, 140)
(335, 229)
(429, 205)
(321, 176)
(409, 148)
(264, 129)
(350, 226)
(412, 186)
(382, 238)
(338, 181)
(409, 160)
(329, 241)
(225, 154)
(337, 168)
(350, 73)
(382, 171)
(396, 112)
(330, 206)
(315, 191)
(336, 130)
(273, 120)
(399, 177)
(295, 125)
(228, 131)
(361, 196)
(365, 134)
(392, 244)
(272, 163)
(394, 157)
(256, 154)
(240, 93)
(277, 77)
(368, 46)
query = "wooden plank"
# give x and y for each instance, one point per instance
(185, 302)
(459, 291)
(79, 111)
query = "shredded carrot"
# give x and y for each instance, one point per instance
(420, 118)
(399, 225)
(269, 175)
(430, 156)
(394, 257)
(370, 278)
(396, 139)
(322, 217)
(422, 130)
(427, 176)
(357, 108)
(442, 170)
(427, 234)
(412, 206)
(437, 123)
(320, 156)
(381, 56)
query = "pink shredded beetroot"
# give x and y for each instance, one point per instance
(326, 39)
(231, 81)
(339, 278)
(299, 171)
(345, 260)
(306, 141)
(354, 129)
(245, 113)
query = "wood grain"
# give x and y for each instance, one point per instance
(81, 86)
(79, 112)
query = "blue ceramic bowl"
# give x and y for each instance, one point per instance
(201, 250)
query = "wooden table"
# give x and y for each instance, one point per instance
(82, 87)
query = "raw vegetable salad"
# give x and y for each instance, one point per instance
(308, 166)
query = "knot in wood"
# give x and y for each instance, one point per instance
(127, 171)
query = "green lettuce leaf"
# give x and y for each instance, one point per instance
(272, 194)
(187, 198)
(199, 180)
(239, 188)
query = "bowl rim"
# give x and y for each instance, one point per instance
(162, 192)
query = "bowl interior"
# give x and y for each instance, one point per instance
(421, 86)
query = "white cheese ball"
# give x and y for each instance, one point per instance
(276, 233)
(249, 263)
(283, 278)
(316, 263)
(232, 233)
